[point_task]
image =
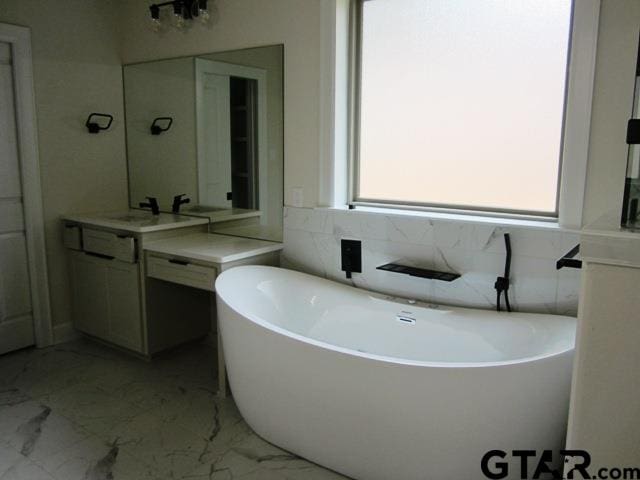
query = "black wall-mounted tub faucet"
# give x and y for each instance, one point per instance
(152, 204)
(569, 260)
(177, 201)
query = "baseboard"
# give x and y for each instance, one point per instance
(64, 333)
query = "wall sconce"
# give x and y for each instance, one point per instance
(156, 129)
(95, 127)
(182, 12)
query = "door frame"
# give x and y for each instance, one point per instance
(19, 38)
(203, 65)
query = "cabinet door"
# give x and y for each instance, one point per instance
(90, 304)
(125, 324)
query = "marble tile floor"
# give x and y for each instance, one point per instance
(82, 411)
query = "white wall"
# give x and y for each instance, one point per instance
(474, 249)
(253, 23)
(77, 71)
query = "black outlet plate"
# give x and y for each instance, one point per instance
(351, 256)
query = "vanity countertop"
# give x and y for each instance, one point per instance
(222, 214)
(135, 221)
(209, 247)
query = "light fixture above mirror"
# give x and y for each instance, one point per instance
(182, 13)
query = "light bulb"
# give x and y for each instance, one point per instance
(156, 24)
(203, 11)
(155, 18)
(177, 15)
(203, 15)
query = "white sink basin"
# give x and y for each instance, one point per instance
(134, 219)
(137, 221)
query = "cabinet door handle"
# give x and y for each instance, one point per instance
(178, 262)
(99, 255)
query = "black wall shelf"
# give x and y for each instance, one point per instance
(419, 272)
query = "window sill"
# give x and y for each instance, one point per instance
(547, 225)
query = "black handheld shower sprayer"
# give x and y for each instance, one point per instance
(502, 283)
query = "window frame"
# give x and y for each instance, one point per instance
(576, 124)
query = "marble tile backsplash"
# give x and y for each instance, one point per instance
(474, 250)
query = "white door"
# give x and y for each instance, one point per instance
(214, 138)
(212, 72)
(16, 312)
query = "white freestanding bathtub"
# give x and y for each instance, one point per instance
(379, 388)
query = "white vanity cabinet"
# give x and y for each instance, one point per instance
(147, 284)
(107, 273)
(107, 299)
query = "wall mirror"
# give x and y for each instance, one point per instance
(210, 127)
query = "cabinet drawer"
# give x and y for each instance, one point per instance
(72, 236)
(124, 248)
(182, 272)
(121, 247)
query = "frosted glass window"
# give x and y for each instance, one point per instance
(462, 103)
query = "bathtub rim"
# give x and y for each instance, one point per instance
(372, 356)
